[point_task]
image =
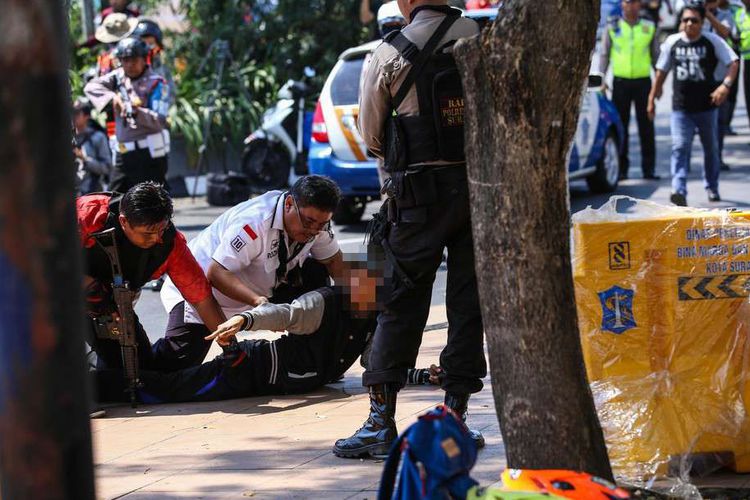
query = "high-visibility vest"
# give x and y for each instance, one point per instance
(630, 53)
(742, 18)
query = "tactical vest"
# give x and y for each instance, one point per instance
(631, 49)
(742, 18)
(138, 264)
(437, 132)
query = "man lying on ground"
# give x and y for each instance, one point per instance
(328, 330)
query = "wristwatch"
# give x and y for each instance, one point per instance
(727, 83)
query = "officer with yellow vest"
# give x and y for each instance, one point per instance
(631, 46)
(742, 18)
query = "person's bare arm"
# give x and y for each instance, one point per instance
(655, 93)
(721, 93)
(720, 29)
(365, 13)
(336, 266)
(606, 47)
(231, 286)
(210, 312)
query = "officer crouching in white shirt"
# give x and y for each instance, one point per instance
(272, 248)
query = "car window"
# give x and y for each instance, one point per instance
(345, 85)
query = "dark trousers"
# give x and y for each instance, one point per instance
(184, 344)
(624, 93)
(220, 378)
(134, 167)
(417, 241)
(109, 354)
(292, 364)
(746, 83)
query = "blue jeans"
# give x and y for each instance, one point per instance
(683, 127)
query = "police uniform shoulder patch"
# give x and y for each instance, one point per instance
(392, 65)
(238, 243)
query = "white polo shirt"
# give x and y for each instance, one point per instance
(245, 240)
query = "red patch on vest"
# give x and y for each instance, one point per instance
(250, 232)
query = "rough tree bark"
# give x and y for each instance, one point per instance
(523, 79)
(45, 440)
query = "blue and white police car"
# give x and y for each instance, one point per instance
(337, 150)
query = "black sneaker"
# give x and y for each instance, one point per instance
(678, 199)
(651, 177)
(713, 195)
(724, 167)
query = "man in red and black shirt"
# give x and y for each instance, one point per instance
(149, 246)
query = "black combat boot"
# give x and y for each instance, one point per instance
(374, 438)
(459, 403)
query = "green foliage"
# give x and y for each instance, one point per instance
(270, 42)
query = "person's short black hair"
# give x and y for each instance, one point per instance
(83, 105)
(146, 204)
(316, 191)
(698, 7)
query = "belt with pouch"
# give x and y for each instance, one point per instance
(125, 147)
(157, 144)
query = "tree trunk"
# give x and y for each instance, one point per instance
(45, 440)
(523, 79)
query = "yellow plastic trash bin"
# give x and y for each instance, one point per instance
(662, 298)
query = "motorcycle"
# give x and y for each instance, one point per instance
(279, 144)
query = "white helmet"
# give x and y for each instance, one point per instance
(390, 18)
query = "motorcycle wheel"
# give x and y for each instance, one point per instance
(266, 165)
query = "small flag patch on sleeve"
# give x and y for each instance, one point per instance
(250, 232)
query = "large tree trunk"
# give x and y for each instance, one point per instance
(45, 440)
(523, 79)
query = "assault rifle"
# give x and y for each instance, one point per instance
(120, 326)
(126, 102)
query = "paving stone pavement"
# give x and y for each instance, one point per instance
(266, 447)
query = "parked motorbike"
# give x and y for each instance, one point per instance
(279, 144)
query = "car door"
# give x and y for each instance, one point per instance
(340, 106)
(588, 123)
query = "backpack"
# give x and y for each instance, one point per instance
(226, 190)
(430, 460)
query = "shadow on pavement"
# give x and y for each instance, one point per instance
(255, 405)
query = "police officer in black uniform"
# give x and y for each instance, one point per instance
(413, 72)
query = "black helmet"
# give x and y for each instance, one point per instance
(147, 27)
(131, 47)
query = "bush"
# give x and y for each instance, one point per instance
(270, 42)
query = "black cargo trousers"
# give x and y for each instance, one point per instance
(434, 215)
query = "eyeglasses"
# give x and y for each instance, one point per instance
(310, 224)
(690, 20)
